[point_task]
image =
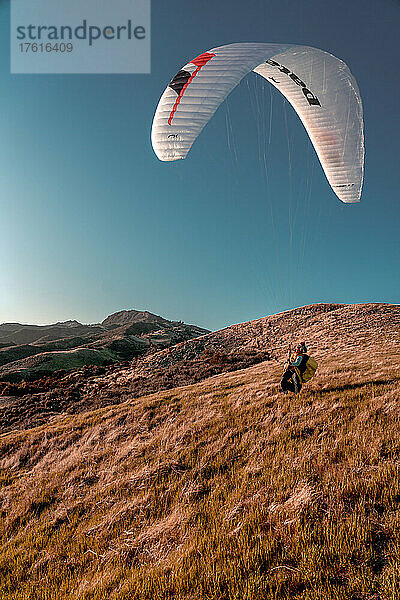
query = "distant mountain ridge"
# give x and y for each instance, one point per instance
(17, 333)
(28, 351)
(129, 317)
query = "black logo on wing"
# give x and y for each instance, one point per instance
(311, 99)
(179, 81)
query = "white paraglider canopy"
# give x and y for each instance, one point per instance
(319, 86)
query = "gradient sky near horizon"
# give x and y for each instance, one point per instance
(92, 222)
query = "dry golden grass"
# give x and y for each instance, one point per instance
(226, 489)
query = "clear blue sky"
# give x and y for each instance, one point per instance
(92, 222)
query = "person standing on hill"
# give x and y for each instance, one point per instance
(291, 379)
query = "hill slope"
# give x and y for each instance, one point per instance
(222, 489)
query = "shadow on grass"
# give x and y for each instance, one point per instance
(353, 386)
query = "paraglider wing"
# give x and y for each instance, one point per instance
(325, 95)
(318, 85)
(196, 91)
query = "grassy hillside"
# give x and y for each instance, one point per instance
(224, 489)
